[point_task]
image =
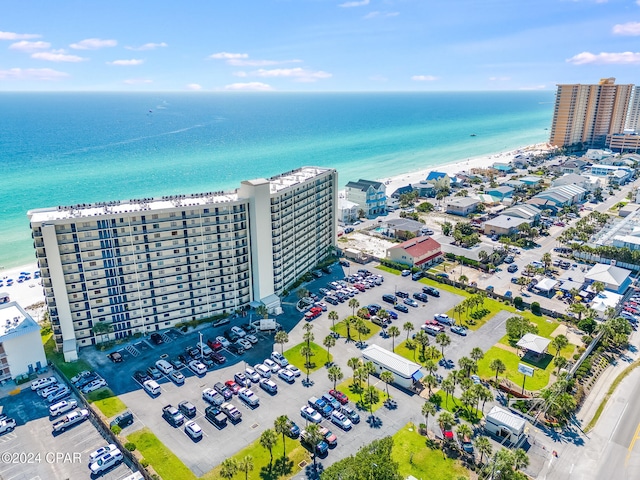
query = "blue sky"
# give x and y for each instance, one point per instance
(316, 45)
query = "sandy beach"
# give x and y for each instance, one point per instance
(26, 293)
(393, 183)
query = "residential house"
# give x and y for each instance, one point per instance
(530, 180)
(517, 185)
(462, 206)
(563, 195)
(502, 167)
(425, 189)
(573, 166)
(402, 228)
(416, 252)
(526, 211)
(347, 211)
(402, 191)
(501, 192)
(589, 184)
(369, 195)
(598, 154)
(614, 174)
(614, 278)
(504, 225)
(434, 176)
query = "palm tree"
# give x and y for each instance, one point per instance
(408, 327)
(483, 445)
(359, 375)
(369, 369)
(468, 398)
(546, 260)
(329, 342)
(335, 374)
(428, 408)
(307, 352)
(348, 323)
(559, 342)
(430, 381)
(411, 346)
(371, 396)
(448, 388)
(577, 308)
(281, 337)
(430, 366)
(102, 329)
(560, 363)
(497, 366)
(466, 365)
(383, 314)
(268, 440)
(363, 313)
(333, 316)
(463, 279)
(520, 459)
(228, 468)
(459, 309)
(443, 340)
(446, 420)
(476, 354)
(353, 363)
(308, 337)
(281, 426)
(387, 377)
(393, 333)
(422, 339)
(597, 287)
(246, 465)
(455, 376)
(464, 431)
(314, 437)
(361, 328)
(353, 304)
(432, 352)
(262, 310)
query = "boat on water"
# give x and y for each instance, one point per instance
(473, 135)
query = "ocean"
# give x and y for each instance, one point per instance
(67, 148)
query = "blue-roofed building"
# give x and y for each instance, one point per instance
(433, 176)
(500, 192)
(530, 180)
(402, 191)
(503, 167)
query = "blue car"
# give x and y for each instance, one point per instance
(402, 308)
(459, 330)
(392, 315)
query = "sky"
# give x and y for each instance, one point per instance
(316, 45)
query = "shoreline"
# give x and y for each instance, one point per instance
(27, 293)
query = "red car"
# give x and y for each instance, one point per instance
(360, 287)
(338, 395)
(432, 322)
(214, 345)
(233, 386)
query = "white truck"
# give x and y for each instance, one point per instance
(70, 419)
(7, 425)
(267, 325)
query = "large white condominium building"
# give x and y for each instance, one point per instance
(144, 265)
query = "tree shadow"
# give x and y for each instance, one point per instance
(374, 422)
(313, 472)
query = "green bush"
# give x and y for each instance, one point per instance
(130, 446)
(116, 429)
(535, 308)
(144, 463)
(517, 302)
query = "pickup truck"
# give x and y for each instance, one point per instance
(70, 419)
(7, 425)
(232, 412)
(172, 415)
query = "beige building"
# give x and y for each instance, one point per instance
(588, 113)
(624, 142)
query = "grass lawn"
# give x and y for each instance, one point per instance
(412, 355)
(415, 458)
(354, 394)
(341, 329)
(70, 369)
(317, 360)
(109, 404)
(159, 456)
(452, 404)
(541, 373)
(388, 269)
(444, 287)
(281, 468)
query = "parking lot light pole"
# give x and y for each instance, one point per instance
(200, 333)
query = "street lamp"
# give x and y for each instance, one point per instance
(201, 355)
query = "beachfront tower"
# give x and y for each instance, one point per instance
(586, 114)
(139, 266)
(633, 118)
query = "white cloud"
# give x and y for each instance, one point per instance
(249, 86)
(360, 3)
(240, 73)
(499, 79)
(298, 74)
(126, 63)
(57, 56)
(228, 56)
(194, 87)
(605, 58)
(148, 46)
(424, 78)
(629, 28)
(534, 87)
(32, 74)
(26, 46)
(137, 81)
(93, 44)
(18, 36)
(377, 14)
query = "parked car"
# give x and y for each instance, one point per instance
(421, 296)
(192, 429)
(405, 273)
(223, 390)
(401, 308)
(431, 291)
(443, 318)
(279, 359)
(341, 420)
(310, 414)
(252, 374)
(338, 395)
(187, 408)
(512, 268)
(351, 414)
(156, 338)
(410, 301)
(286, 375)
(459, 330)
(268, 386)
(177, 377)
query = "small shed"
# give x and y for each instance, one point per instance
(504, 424)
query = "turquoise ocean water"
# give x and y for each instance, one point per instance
(66, 148)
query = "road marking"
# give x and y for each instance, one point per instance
(619, 418)
(636, 435)
(571, 469)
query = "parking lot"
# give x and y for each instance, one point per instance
(216, 445)
(32, 451)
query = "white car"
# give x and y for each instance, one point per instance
(197, 367)
(287, 375)
(106, 462)
(271, 365)
(101, 452)
(192, 429)
(310, 414)
(248, 397)
(213, 397)
(238, 331)
(223, 341)
(95, 385)
(252, 374)
(244, 343)
(268, 386)
(341, 420)
(43, 383)
(46, 391)
(444, 318)
(62, 407)
(279, 359)
(252, 338)
(295, 370)
(80, 376)
(264, 371)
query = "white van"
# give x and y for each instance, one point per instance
(62, 407)
(152, 387)
(164, 366)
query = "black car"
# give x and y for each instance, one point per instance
(231, 336)
(332, 300)
(326, 269)
(141, 376)
(373, 308)
(421, 296)
(402, 294)
(512, 268)
(235, 348)
(177, 363)
(123, 419)
(401, 308)
(416, 276)
(218, 358)
(183, 359)
(193, 352)
(115, 357)
(247, 327)
(344, 263)
(156, 338)
(188, 409)
(431, 291)
(215, 416)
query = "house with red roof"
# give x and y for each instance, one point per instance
(416, 252)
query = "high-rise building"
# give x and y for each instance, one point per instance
(588, 113)
(143, 265)
(633, 118)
